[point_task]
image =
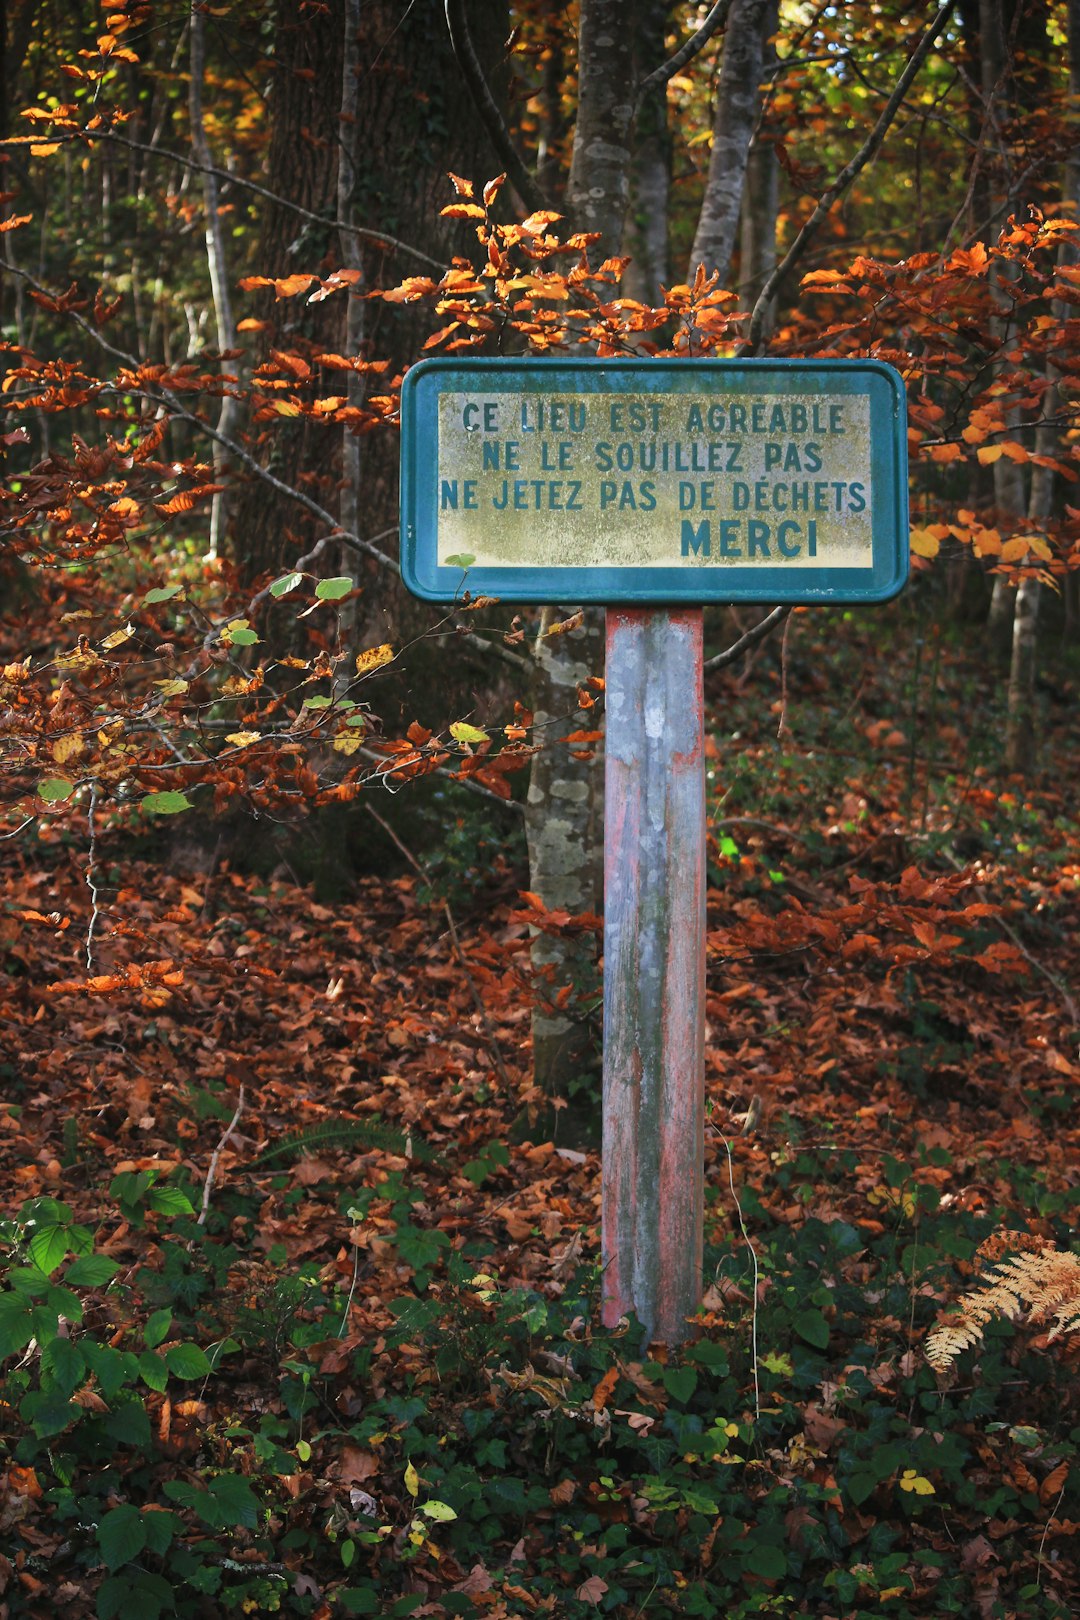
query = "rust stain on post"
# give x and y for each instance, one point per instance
(654, 969)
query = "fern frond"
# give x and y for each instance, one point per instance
(370, 1133)
(1042, 1280)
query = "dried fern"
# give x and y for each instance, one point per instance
(1041, 1280)
(369, 1133)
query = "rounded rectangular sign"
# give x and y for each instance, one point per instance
(654, 481)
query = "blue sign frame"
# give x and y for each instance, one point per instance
(709, 381)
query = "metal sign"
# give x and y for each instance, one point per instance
(658, 481)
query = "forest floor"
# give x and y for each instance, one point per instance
(354, 1365)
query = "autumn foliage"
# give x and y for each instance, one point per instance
(299, 1300)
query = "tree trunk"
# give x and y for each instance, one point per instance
(561, 815)
(229, 413)
(757, 253)
(563, 833)
(599, 186)
(733, 125)
(266, 533)
(650, 174)
(1021, 730)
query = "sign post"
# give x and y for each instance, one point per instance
(652, 487)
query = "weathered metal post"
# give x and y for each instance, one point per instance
(654, 969)
(628, 484)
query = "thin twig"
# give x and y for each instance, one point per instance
(688, 50)
(208, 1185)
(1040, 967)
(226, 175)
(493, 1045)
(862, 157)
(490, 116)
(754, 1262)
(91, 880)
(750, 639)
(1046, 1532)
(160, 396)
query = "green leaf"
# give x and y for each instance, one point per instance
(680, 1382)
(65, 1364)
(169, 1201)
(244, 637)
(187, 1361)
(287, 583)
(112, 1368)
(441, 1512)
(128, 1424)
(332, 590)
(812, 1326)
(460, 559)
(165, 804)
(859, 1487)
(90, 1271)
(49, 1412)
(156, 1328)
(462, 732)
(16, 1325)
(359, 1600)
(237, 1502)
(161, 1527)
(121, 1536)
(49, 1248)
(55, 788)
(162, 593)
(768, 1562)
(136, 1591)
(153, 1371)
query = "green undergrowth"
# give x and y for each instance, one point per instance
(186, 1436)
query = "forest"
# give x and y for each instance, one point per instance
(301, 907)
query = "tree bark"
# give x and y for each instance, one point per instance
(761, 198)
(1021, 730)
(562, 811)
(650, 173)
(217, 266)
(733, 124)
(599, 186)
(562, 817)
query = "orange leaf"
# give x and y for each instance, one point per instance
(1053, 1483)
(604, 1389)
(289, 286)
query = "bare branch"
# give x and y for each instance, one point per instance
(165, 396)
(231, 179)
(688, 50)
(208, 1185)
(490, 116)
(862, 157)
(750, 639)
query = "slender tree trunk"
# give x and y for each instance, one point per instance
(352, 259)
(217, 265)
(562, 827)
(761, 197)
(650, 174)
(561, 814)
(996, 84)
(733, 125)
(1021, 730)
